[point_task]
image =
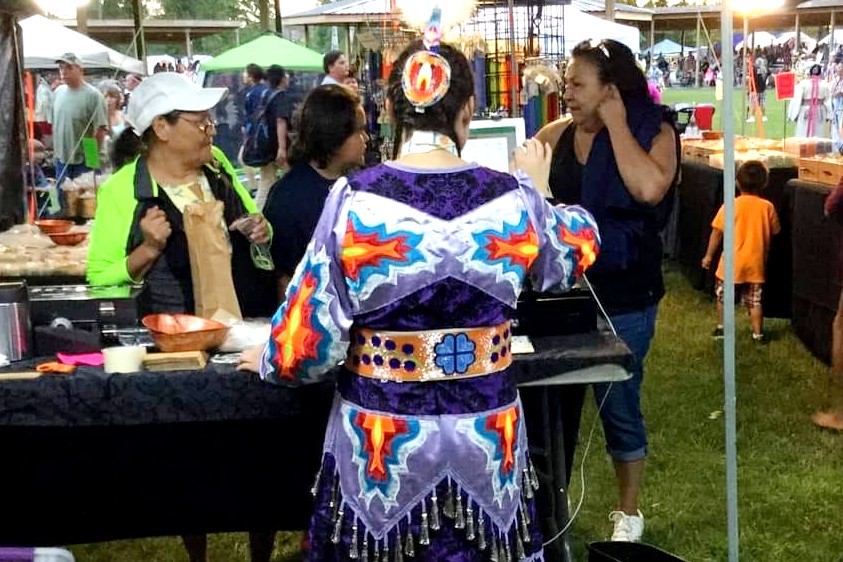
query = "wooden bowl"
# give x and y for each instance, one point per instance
(68, 238)
(184, 332)
(53, 226)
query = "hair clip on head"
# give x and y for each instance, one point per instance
(425, 79)
(427, 75)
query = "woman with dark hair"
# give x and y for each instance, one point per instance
(411, 277)
(617, 156)
(329, 140)
(810, 106)
(138, 233)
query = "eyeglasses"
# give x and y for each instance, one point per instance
(202, 125)
(599, 45)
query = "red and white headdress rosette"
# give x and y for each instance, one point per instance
(426, 75)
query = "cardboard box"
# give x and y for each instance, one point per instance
(829, 171)
(809, 169)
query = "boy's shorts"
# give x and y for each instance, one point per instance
(749, 293)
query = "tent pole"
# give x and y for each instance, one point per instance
(744, 74)
(798, 43)
(514, 75)
(729, 297)
(82, 19)
(652, 38)
(188, 44)
(140, 43)
(699, 53)
(278, 26)
(263, 10)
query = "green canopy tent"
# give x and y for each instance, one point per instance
(302, 64)
(267, 50)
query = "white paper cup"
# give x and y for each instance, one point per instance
(125, 359)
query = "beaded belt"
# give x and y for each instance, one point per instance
(430, 354)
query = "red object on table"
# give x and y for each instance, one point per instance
(785, 85)
(704, 115)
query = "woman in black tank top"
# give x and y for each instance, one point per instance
(615, 157)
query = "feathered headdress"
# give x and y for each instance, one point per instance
(426, 76)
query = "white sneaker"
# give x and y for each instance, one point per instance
(750, 119)
(764, 118)
(628, 528)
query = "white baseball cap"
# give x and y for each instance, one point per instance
(166, 92)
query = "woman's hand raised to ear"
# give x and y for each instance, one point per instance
(533, 158)
(612, 110)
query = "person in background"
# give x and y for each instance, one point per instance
(113, 103)
(330, 140)
(253, 78)
(837, 107)
(335, 66)
(131, 82)
(810, 106)
(43, 109)
(351, 83)
(279, 111)
(33, 174)
(833, 417)
(617, 155)
(78, 113)
(138, 234)
(756, 222)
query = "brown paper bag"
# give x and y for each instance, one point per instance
(210, 263)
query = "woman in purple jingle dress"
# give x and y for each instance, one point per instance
(411, 278)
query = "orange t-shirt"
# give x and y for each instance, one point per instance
(756, 222)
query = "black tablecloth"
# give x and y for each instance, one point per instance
(700, 196)
(92, 457)
(816, 272)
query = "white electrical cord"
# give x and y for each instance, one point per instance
(572, 517)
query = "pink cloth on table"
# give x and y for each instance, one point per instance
(90, 359)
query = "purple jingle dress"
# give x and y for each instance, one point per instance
(434, 469)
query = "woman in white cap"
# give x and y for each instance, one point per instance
(138, 234)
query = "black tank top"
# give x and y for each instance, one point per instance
(633, 289)
(565, 171)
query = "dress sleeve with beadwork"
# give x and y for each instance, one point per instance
(568, 240)
(310, 331)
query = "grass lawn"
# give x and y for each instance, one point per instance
(773, 127)
(790, 474)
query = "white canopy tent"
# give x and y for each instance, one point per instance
(762, 39)
(669, 47)
(580, 26)
(783, 38)
(838, 37)
(44, 40)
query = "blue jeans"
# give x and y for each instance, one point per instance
(623, 423)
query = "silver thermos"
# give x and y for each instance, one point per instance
(15, 324)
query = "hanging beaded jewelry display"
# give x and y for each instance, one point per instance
(426, 76)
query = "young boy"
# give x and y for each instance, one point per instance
(756, 222)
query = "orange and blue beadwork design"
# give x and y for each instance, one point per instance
(371, 250)
(298, 338)
(514, 247)
(583, 238)
(430, 354)
(381, 446)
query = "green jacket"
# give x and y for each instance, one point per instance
(116, 206)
